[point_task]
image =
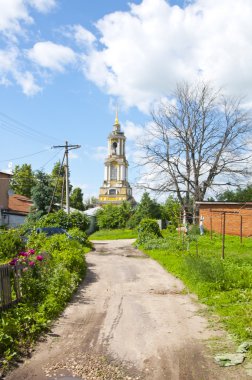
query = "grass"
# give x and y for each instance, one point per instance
(113, 234)
(224, 285)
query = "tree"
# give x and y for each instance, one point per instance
(238, 195)
(196, 142)
(58, 181)
(23, 180)
(114, 216)
(171, 211)
(42, 192)
(147, 208)
(76, 199)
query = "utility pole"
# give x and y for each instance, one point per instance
(67, 147)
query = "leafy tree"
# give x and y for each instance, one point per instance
(171, 211)
(147, 208)
(238, 195)
(42, 192)
(23, 180)
(196, 142)
(112, 216)
(76, 199)
(57, 180)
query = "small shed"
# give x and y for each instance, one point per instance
(235, 217)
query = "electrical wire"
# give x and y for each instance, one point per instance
(12, 125)
(28, 155)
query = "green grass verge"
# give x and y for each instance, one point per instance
(113, 234)
(224, 285)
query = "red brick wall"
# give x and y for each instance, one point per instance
(236, 217)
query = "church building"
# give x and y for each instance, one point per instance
(116, 188)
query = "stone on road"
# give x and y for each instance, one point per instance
(130, 319)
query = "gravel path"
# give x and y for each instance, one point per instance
(129, 320)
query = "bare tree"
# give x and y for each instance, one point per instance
(197, 140)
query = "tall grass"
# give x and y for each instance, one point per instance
(224, 285)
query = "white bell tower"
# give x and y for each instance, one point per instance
(116, 188)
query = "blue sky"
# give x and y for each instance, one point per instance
(65, 64)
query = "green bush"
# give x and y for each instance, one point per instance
(10, 243)
(62, 219)
(112, 217)
(81, 236)
(147, 229)
(47, 286)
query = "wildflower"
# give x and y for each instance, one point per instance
(40, 258)
(31, 263)
(31, 251)
(24, 254)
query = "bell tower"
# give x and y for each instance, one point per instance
(116, 188)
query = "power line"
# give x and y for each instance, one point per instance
(18, 128)
(28, 155)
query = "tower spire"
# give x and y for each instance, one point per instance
(116, 123)
(116, 118)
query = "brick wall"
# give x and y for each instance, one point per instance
(238, 216)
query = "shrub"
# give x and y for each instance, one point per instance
(112, 217)
(10, 243)
(62, 219)
(47, 286)
(147, 229)
(80, 236)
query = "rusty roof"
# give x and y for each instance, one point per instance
(19, 204)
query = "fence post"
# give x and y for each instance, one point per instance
(223, 235)
(241, 230)
(211, 227)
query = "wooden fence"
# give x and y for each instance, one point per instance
(10, 290)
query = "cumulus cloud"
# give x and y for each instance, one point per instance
(43, 6)
(133, 131)
(12, 12)
(11, 71)
(51, 56)
(15, 18)
(144, 52)
(28, 83)
(82, 36)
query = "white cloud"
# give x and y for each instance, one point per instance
(82, 36)
(43, 6)
(51, 56)
(11, 71)
(133, 131)
(15, 13)
(27, 81)
(12, 12)
(8, 59)
(144, 52)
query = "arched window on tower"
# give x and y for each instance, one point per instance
(112, 191)
(113, 172)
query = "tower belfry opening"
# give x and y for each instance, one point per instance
(116, 187)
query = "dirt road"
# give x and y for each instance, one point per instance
(129, 320)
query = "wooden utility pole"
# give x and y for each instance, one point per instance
(67, 147)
